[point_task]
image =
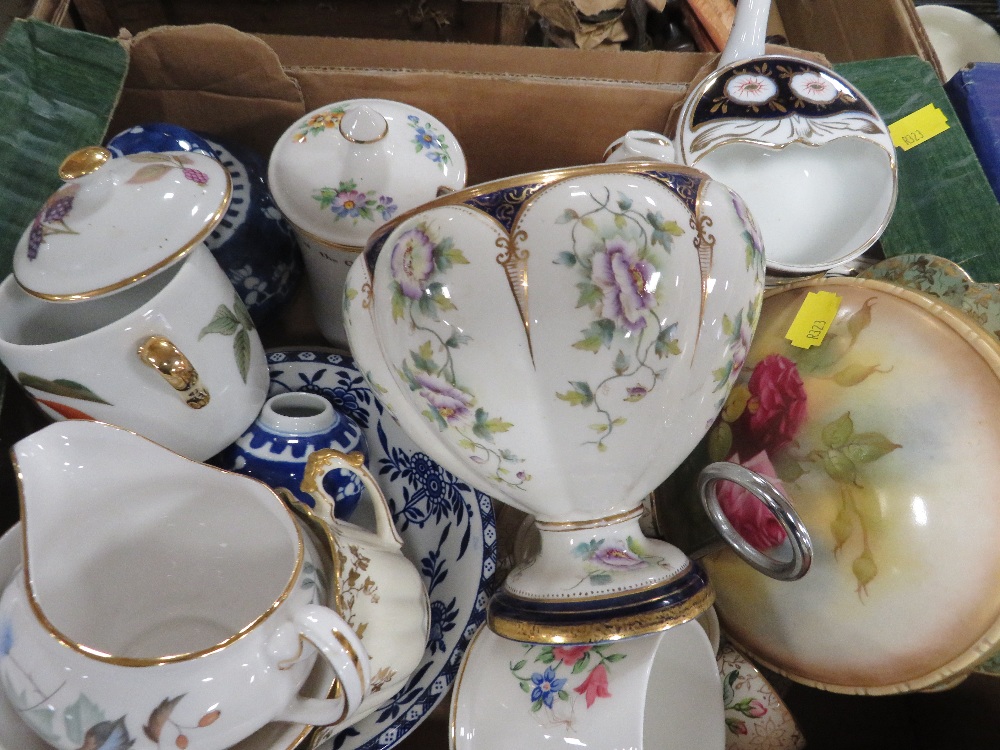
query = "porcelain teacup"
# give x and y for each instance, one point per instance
(653, 691)
(117, 311)
(187, 609)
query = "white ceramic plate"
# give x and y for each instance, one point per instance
(15, 734)
(958, 37)
(448, 529)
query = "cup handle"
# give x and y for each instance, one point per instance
(322, 462)
(160, 353)
(640, 145)
(338, 644)
(776, 502)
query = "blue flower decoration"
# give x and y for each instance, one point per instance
(546, 686)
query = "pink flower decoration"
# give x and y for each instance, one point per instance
(451, 403)
(570, 655)
(626, 283)
(756, 709)
(748, 515)
(595, 686)
(412, 262)
(618, 557)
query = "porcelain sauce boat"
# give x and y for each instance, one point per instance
(562, 340)
(809, 154)
(186, 609)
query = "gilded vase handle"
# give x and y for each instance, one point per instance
(160, 354)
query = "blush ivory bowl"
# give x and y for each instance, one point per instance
(562, 340)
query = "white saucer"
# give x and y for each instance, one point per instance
(958, 37)
(279, 735)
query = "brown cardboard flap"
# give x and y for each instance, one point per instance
(506, 124)
(209, 78)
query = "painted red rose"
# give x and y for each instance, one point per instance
(777, 405)
(748, 515)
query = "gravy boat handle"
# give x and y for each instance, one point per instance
(336, 642)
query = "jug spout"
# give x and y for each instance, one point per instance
(746, 40)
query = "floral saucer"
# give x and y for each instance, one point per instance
(15, 734)
(448, 530)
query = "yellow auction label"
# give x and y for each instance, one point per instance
(813, 320)
(917, 127)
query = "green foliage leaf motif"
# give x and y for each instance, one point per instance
(224, 322)
(485, 427)
(837, 433)
(599, 333)
(241, 351)
(79, 716)
(565, 258)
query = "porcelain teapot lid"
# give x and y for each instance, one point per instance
(343, 170)
(115, 222)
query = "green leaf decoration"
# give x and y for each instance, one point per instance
(398, 303)
(720, 442)
(546, 656)
(457, 339)
(860, 319)
(599, 333)
(59, 387)
(445, 256)
(590, 294)
(241, 350)
(634, 547)
(839, 467)
(525, 686)
(837, 433)
(727, 325)
(624, 202)
(621, 362)
(869, 446)
(80, 716)
(224, 322)
(486, 427)
(614, 657)
(855, 374)
(600, 579)
(565, 258)
(581, 663)
(590, 224)
(620, 222)
(536, 706)
(519, 666)
(241, 313)
(563, 695)
(423, 358)
(567, 216)
(666, 343)
(149, 173)
(786, 467)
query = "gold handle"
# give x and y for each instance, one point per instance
(161, 354)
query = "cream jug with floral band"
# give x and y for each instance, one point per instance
(187, 612)
(342, 171)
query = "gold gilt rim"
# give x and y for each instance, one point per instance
(544, 177)
(323, 530)
(128, 661)
(176, 255)
(609, 628)
(594, 523)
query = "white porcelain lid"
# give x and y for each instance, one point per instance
(117, 221)
(343, 170)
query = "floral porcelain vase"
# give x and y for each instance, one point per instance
(276, 447)
(562, 340)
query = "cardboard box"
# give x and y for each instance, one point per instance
(514, 109)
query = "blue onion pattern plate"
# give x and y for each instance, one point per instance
(448, 530)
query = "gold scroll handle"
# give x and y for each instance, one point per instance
(161, 354)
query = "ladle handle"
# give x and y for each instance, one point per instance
(765, 491)
(322, 462)
(746, 39)
(342, 648)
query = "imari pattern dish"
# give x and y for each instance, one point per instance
(448, 531)
(806, 150)
(562, 340)
(878, 437)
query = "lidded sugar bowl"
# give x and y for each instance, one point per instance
(342, 171)
(117, 311)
